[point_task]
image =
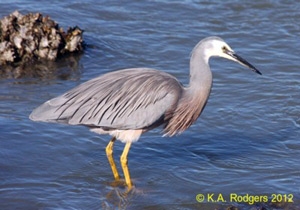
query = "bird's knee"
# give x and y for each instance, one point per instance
(123, 160)
(108, 151)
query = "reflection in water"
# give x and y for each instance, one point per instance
(120, 198)
(247, 140)
(63, 68)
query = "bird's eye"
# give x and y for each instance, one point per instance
(224, 49)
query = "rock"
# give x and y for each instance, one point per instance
(26, 38)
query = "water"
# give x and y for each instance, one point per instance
(245, 142)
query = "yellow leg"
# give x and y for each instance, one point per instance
(109, 154)
(125, 166)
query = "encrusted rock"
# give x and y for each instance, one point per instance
(25, 38)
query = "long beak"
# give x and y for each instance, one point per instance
(242, 61)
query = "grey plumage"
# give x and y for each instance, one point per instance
(128, 102)
(140, 98)
(126, 99)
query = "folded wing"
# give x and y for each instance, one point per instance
(125, 99)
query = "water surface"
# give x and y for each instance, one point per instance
(245, 142)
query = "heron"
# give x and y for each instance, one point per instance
(129, 102)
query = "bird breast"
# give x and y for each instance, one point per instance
(188, 110)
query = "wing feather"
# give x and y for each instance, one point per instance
(125, 99)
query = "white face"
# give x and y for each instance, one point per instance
(215, 46)
(219, 48)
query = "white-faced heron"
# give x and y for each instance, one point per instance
(129, 102)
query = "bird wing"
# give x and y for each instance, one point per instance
(126, 99)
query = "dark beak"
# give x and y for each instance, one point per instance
(242, 61)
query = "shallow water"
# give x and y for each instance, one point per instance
(245, 142)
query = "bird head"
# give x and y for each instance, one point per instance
(215, 46)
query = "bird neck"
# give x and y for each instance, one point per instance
(200, 73)
(194, 97)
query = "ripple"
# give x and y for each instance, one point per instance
(245, 141)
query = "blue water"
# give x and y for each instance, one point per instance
(245, 142)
